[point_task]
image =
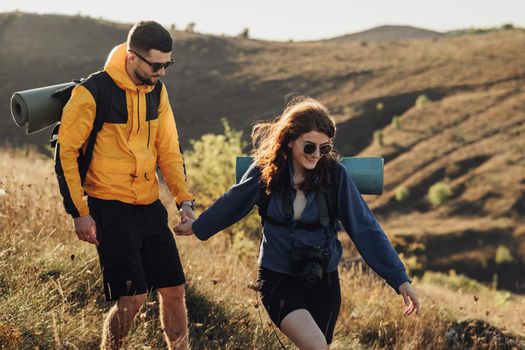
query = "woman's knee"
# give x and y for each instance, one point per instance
(303, 331)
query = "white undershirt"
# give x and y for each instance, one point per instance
(298, 205)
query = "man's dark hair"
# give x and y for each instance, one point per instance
(147, 35)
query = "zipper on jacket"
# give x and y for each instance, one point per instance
(147, 147)
(138, 110)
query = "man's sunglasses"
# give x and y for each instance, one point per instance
(155, 66)
(324, 149)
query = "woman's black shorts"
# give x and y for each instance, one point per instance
(137, 250)
(281, 294)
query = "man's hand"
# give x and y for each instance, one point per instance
(410, 298)
(184, 228)
(186, 213)
(86, 229)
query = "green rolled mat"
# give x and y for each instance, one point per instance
(36, 108)
(367, 172)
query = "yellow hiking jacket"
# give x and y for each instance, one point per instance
(134, 139)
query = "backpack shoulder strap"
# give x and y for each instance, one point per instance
(263, 202)
(333, 192)
(99, 84)
(322, 205)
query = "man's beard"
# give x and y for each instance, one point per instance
(143, 79)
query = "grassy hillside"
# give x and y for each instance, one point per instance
(50, 284)
(445, 111)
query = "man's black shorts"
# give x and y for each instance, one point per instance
(137, 250)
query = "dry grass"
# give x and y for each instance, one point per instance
(51, 290)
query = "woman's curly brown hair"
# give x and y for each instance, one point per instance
(270, 144)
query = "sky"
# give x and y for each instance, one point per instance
(290, 19)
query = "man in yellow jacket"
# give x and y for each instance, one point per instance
(123, 216)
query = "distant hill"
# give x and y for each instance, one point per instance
(469, 135)
(388, 33)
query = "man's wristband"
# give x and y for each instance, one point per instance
(190, 204)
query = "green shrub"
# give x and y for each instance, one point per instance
(439, 193)
(211, 172)
(421, 101)
(503, 298)
(211, 163)
(453, 280)
(503, 255)
(457, 135)
(402, 193)
(378, 137)
(396, 123)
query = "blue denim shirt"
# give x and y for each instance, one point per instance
(276, 245)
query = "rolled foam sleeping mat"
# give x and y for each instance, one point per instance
(367, 172)
(36, 108)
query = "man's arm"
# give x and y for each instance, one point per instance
(169, 155)
(75, 126)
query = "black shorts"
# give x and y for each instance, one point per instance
(281, 294)
(137, 250)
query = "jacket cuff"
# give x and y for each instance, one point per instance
(78, 213)
(184, 197)
(397, 279)
(199, 231)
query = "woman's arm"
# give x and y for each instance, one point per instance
(368, 236)
(231, 207)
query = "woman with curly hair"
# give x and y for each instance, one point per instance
(302, 192)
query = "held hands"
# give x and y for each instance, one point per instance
(186, 213)
(187, 217)
(86, 229)
(410, 298)
(184, 228)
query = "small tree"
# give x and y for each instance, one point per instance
(245, 34)
(190, 28)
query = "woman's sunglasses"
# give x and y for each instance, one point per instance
(155, 66)
(324, 149)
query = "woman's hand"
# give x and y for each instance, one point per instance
(410, 298)
(184, 228)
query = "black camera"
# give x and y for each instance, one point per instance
(312, 263)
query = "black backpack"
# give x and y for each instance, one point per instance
(326, 201)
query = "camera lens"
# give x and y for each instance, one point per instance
(313, 274)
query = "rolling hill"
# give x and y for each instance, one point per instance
(388, 33)
(466, 132)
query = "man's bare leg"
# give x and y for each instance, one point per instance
(173, 317)
(119, 321)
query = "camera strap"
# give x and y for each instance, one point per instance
(324, 219)
(324, 215)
